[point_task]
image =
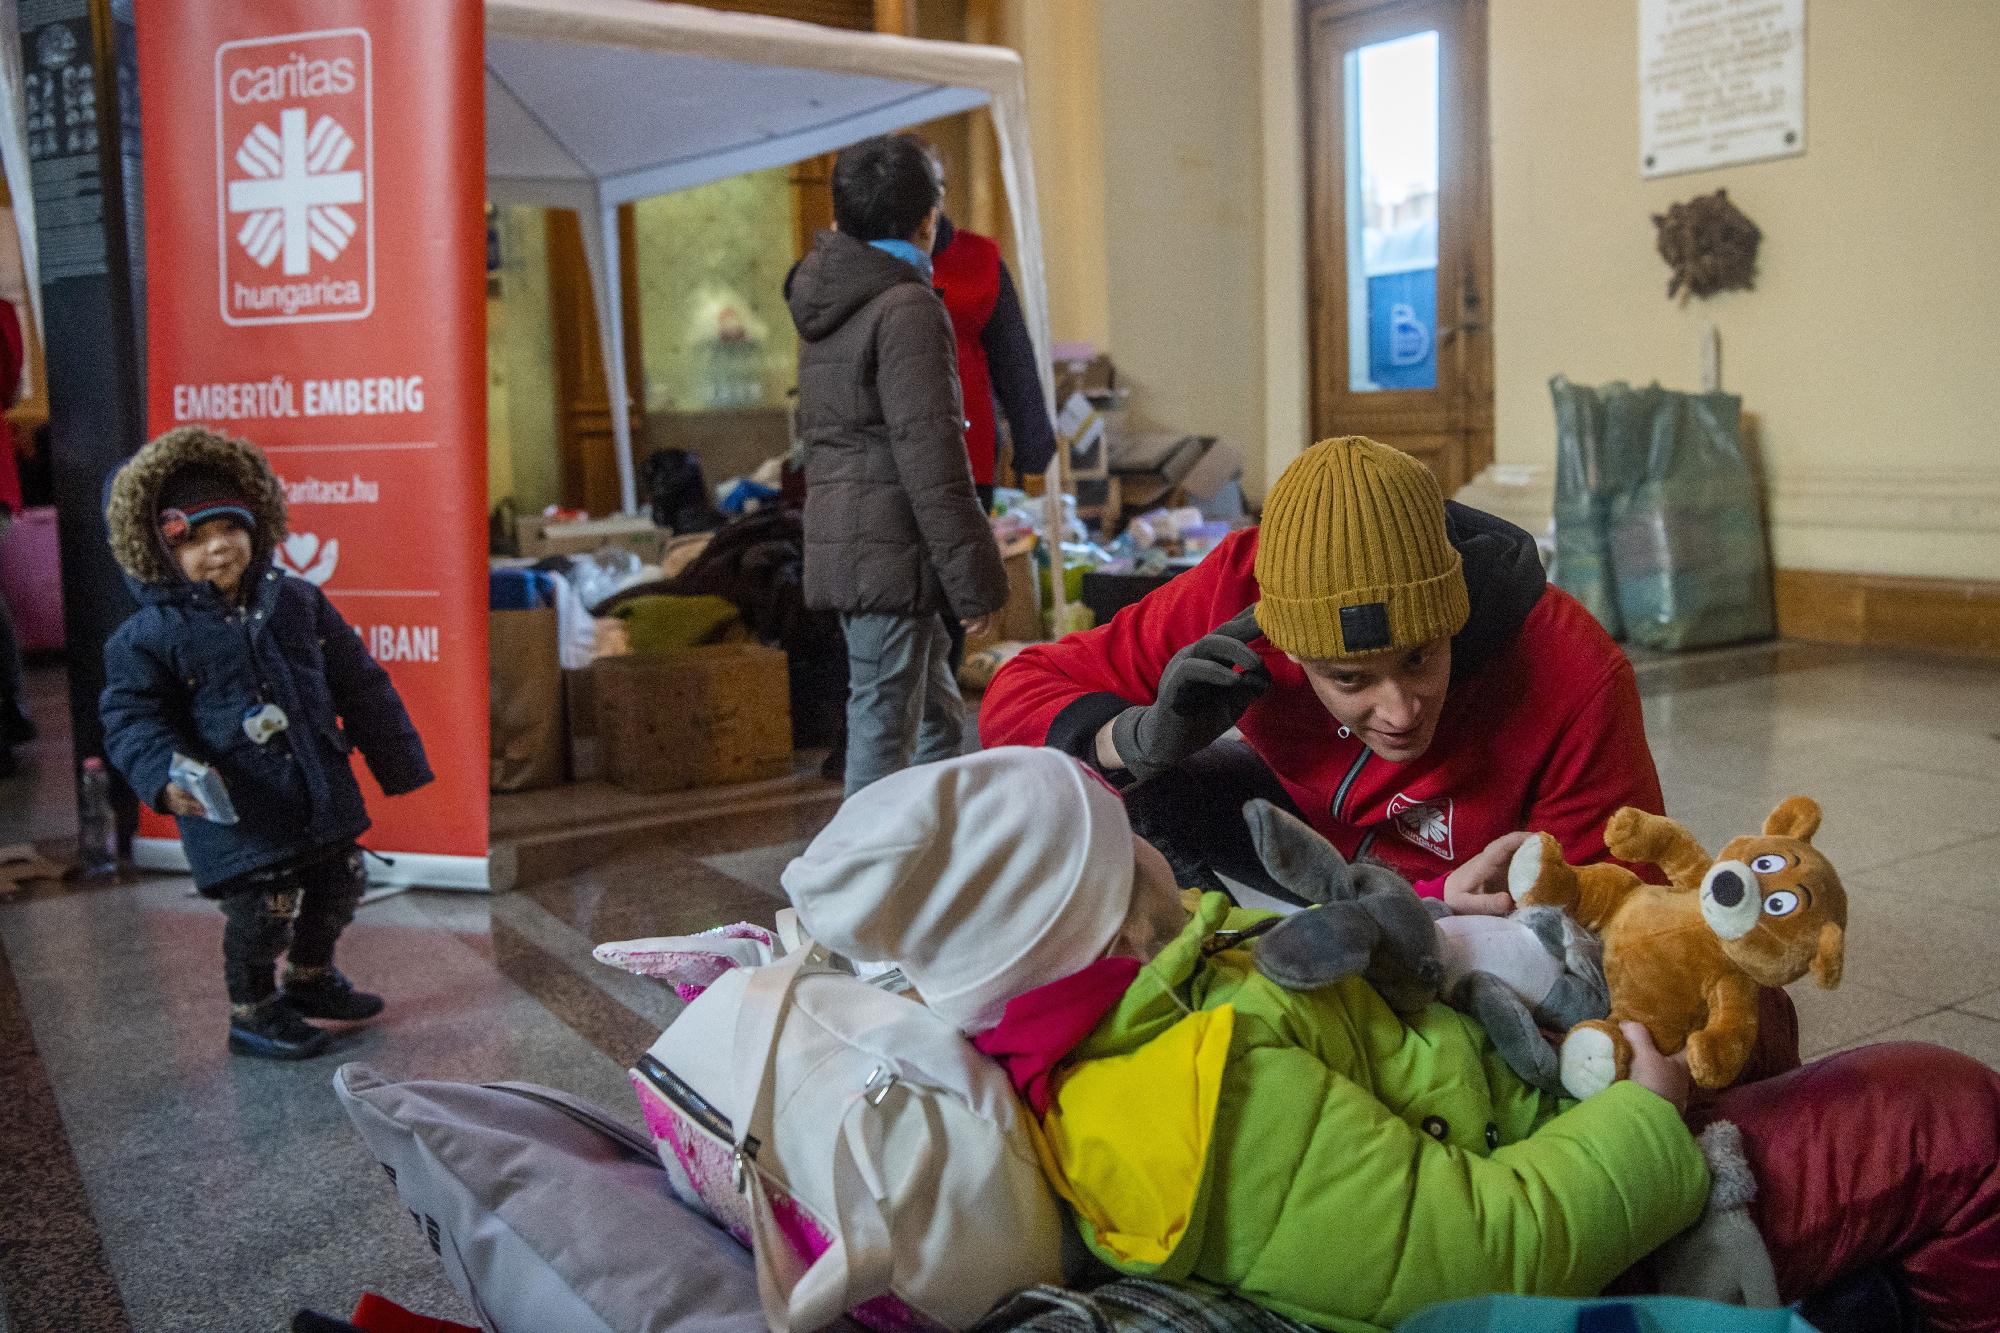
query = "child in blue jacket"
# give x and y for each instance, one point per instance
(235, 664)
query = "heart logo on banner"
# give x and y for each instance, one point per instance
(308, 557)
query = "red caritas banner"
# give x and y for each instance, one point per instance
(315, 252)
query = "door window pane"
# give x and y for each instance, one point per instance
(1391, 122)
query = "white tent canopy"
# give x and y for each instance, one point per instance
(595, 103)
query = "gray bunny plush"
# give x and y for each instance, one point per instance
(1367, 921)
(1514, 975)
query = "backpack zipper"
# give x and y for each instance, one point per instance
(675, 1090)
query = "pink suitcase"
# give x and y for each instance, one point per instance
(31, 579)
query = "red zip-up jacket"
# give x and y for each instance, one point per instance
(1541, 726)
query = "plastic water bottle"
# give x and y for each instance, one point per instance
(97, 823)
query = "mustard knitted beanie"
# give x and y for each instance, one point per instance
(1352, 556)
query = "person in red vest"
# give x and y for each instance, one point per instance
(996, 357)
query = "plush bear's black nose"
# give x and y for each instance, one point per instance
(1726, 888)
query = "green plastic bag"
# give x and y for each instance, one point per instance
(1639, 1314)
(1659, 525)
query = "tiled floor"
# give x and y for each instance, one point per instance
(153, 1183)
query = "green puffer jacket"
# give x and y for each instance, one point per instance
(1323, 1158)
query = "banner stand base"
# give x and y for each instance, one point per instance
(412, 870)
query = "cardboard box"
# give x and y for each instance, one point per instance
(524, 701)
(539, 536)
(1220, 465)
(1165, 454)
(1020, 620)
(1091, 374)
(712, 715)
(1081, 426)
(586, 743)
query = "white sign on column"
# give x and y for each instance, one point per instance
(1720, 82)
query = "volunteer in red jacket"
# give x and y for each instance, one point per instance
(1404, 677)
(1405, 680)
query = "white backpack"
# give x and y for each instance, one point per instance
(875, 1162)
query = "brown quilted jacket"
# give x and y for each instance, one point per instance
(892, 523)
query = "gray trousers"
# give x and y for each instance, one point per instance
(903, 706)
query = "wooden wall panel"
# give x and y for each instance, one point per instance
(583, 415)
(1959, 616)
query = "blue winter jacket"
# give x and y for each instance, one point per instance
(186, 668)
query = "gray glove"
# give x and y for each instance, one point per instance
(1204, 689)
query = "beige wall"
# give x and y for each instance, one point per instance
(1287, 361)
(1183, 176)
(1059, 55)
(1866, 353)
(522, 455)
(1146, 124)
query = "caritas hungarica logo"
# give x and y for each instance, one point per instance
(295, 153)
(1425, 823)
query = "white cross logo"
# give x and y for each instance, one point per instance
(296, 190)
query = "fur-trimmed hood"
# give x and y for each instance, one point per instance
(132, 510)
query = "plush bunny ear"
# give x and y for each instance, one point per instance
(1319, 946)
(1796, 817)
(1296, 855)
(1831, 956)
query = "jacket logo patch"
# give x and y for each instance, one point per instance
(1425, 823)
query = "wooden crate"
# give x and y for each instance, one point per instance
(705, 717)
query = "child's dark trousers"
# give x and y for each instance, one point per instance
(297, 910)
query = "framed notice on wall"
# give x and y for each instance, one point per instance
(1720, 82)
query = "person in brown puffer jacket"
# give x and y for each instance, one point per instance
(893, 532)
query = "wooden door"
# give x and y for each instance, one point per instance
(583, 418)
(1400, 234)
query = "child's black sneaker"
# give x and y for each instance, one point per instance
(322, 992)
(274, 1030)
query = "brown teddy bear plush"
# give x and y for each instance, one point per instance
(1686, 959)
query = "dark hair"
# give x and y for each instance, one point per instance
(931, 155)
(882, 189)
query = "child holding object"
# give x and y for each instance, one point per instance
(1317, 1153)
(232, 664)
